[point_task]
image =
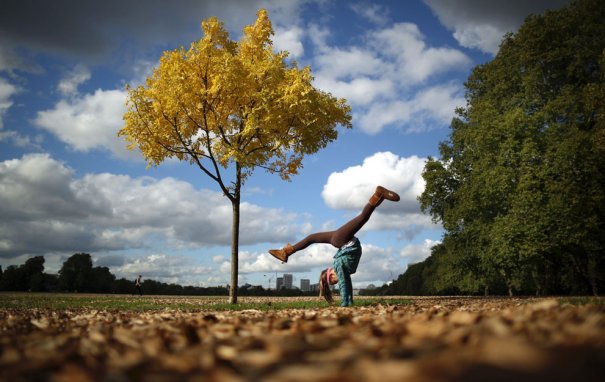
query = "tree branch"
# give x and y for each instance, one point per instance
(158, 142)
(213, 160)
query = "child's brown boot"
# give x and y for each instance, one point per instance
(382, 193)
(282, 254)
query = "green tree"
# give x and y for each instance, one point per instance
(25, 277)
(101, 280)
(123, 286)
(230, 107)
(13, 279)
(33, 270)
(75, 273)
(51, 282)
(520, 184)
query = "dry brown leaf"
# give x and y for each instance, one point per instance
(433, 339)
(459, 317)
(41, 323)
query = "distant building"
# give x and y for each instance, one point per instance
(305, 285)
(314, 287)
(279, 283)
(288, 280)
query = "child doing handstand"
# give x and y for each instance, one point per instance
(349, 249)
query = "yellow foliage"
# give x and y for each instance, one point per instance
(224, 102)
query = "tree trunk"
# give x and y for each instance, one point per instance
(592, 266)
(234, 253)
(538, 281)
(508, 281)
(582, 268)
(235, 203)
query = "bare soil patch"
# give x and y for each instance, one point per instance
(432, 339)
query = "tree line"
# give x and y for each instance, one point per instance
(519, 186)
(77, 274)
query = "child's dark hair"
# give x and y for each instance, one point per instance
(324, 287)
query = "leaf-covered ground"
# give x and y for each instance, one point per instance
(430, 339)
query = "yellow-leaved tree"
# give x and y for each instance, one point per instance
(229, 107)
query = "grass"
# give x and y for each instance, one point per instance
(582, 300)
(59, 301)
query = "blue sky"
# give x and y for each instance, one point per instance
(68, 185)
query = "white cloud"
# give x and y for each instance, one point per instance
(45, 208)
(429, 109)
(377, 265)
(281, 12)
(375, 13)
(382, 114)
(319, 36)
(161, 267)
(89, 122)
(68, 86)
(387, 78)
(257, 191)
(351, 189)
(344, 63)
(37, 187)
(414, 253)
(289, 39)
(486, 38)
(141, 70)
(19, 140)
(360, 91)
(398, 53)
(7, 90)
(405, 45)
(439, 101)
(482, 24)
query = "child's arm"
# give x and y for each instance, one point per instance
(345, 286)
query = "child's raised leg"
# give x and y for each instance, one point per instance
(343, 234)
